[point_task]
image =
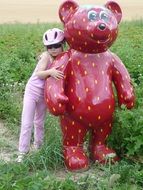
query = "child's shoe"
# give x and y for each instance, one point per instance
(20, 157)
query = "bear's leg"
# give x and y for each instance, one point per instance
(73, 139)
(99, 151)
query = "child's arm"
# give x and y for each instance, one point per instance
(42, 73)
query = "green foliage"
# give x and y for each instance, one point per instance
(19, 47)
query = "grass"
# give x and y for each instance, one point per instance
(44, 170)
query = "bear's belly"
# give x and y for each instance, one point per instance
(90, 101)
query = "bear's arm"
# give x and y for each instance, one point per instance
(122, 81)
(54, 89)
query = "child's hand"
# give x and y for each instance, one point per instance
(56, 73)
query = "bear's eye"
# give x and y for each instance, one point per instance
(104, 16)
(92, 15)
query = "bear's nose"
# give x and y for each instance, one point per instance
(102, 26)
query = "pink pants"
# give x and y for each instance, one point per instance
(34, 110)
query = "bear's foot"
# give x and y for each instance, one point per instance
(75, 158)
(103, 154)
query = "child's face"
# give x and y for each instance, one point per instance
(55, 50)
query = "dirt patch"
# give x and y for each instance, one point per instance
(8, 144)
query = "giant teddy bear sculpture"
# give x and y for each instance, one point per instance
(84, 99)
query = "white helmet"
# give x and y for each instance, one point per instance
(53, 36)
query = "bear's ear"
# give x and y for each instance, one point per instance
(66, 9)
(115, 8)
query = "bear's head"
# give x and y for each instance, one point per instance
(90, 29)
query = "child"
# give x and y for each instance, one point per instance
(34, 107)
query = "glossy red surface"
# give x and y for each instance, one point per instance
(85, 98)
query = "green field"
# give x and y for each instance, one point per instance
(19, 47)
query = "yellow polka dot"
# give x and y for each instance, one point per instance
(78, 63)
(60, 105)
(92, 35)
(96, 82)
(73, 150)
(73, 122)
(71, 89)
(72, 137)
(98, 42)
(99, 117)
(83, 19)
(79, 33)
(54, 109)
(78, 82)
(85, 72)
(85, 55)
(72, 107)
(71, 72)
(79, 98)
(80, 117)
(89, 108)
(79, 130)
(86, 89)
(109, 107)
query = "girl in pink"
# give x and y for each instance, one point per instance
(34, 108)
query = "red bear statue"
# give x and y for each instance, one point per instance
(84, 99)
